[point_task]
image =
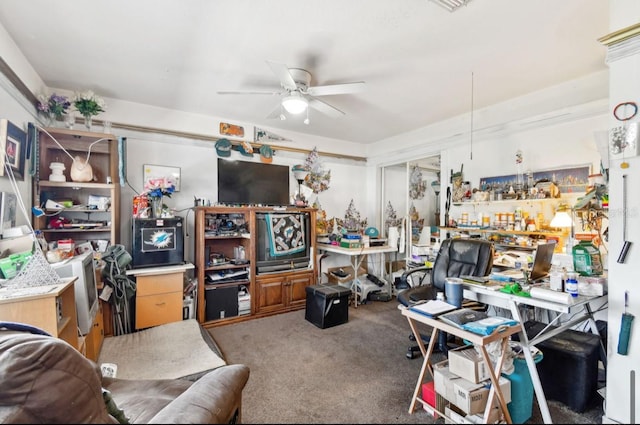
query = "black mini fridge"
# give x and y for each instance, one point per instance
(157, 242)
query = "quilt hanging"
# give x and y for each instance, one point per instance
(286, 234)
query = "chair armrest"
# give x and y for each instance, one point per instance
(212, 399)
(405, 281)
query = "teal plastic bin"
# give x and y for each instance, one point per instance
(521, 405)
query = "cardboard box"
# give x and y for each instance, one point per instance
(395, 265)
(454, 416)
(362, 271)
(472, 398)
(443, 380)
(468, 364)
(495, 416)
(350, 243)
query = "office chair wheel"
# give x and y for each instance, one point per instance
(412, 354)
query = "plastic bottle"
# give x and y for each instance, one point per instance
(556, 277)
(572, 283)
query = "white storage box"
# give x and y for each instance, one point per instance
(443, 381)
(468, 364)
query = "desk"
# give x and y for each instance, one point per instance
(356, 255)
(581, 304)
(477, 340)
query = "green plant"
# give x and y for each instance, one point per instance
(55, 106)
(88, 103)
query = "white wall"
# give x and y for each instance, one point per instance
(198, 163)
(14, 111)
(623, 384)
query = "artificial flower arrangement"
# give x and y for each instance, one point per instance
(88, 103)
(157, 187)
(55, 106)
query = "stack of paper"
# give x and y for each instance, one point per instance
(433, 308)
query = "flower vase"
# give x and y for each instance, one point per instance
(156, 207)
(87, 121)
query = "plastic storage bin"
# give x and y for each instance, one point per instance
(574, 353)
(327, 305)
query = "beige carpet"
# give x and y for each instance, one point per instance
(353, 373)
(173, 350)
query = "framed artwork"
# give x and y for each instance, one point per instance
(8, 211)
(227, 129)
(264, 136)
(13, 145)
(150, 171)
(569, 180)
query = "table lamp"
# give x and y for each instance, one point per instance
(563, 219)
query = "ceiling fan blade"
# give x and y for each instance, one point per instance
(272, 93)
(282, 72)
(336, 89)
(325, 108)
(276, 112)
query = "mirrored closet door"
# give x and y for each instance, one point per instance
(410, 203)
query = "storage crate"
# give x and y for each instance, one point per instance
(362, 271)
(327, 305)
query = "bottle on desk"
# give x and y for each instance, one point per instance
(557, 277)
(572, 283)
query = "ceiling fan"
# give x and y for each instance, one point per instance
(298, 94)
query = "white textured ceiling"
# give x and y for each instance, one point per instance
(415, 57)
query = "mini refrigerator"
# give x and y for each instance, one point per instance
(157, 242)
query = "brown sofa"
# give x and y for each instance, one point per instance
(44, 380)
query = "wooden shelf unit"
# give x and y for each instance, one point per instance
(101, 224)
(270, 293)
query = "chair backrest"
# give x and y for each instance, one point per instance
(458, 257)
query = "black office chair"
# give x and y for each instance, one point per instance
(456, 257)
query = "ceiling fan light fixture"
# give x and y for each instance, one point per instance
(295, 104)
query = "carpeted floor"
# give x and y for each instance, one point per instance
(356, 372)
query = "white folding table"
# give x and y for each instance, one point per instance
(356, 256)
(579, 310)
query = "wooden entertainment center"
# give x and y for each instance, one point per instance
(226, 261)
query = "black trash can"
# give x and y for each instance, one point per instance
(327, 305)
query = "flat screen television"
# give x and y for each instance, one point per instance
(283, 241)
(85, 287)
(252, 183)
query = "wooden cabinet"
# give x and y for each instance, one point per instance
(273, 286)
(282, 291)
(82, 211)
(159, 295)
(94, 339)
(51, 308)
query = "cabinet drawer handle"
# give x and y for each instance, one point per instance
(159, 304)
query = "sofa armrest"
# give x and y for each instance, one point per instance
(214, 398)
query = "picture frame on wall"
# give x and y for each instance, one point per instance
(13, 145)
(8, 211)
(150, 171)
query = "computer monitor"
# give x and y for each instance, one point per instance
(542, 261)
